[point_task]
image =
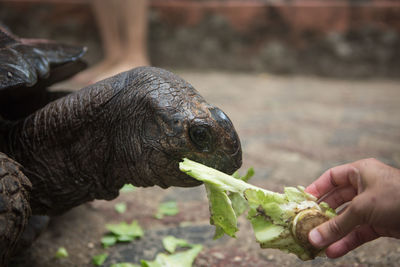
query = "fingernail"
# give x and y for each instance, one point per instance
(315, 237)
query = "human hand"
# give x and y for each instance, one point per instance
(372, 191)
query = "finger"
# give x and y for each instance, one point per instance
(335, 177)
(340, 196)
(354, 239)
(335, 229)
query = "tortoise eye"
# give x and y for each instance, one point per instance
(201, 137)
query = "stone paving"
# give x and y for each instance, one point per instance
(291, 128)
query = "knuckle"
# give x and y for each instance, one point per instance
(349, 243)
(355, 239)
(334, 228)
(338, 198)
(355, 210)
(358, 238)
(358, 211)
(370, 161)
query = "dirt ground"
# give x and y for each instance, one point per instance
(291, 129)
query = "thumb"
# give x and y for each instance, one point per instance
(336, 228)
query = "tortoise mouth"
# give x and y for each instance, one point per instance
(220, 161)
(187, 181)
(170, 174)
(179, 180)
(236, 159)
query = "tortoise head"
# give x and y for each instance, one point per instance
(172, 121)
(134, 128)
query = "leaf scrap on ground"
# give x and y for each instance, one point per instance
(169, 208)
(172, 259)
(98, 260)
(127, 188)
(120, 207)
(171, 243)
(124, 229)
(61, 253)
(108, 240)
(124, 264)
(179, 259)
(122, 232)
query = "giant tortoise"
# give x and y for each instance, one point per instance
(61, 149)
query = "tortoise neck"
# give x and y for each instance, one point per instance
(66, 153)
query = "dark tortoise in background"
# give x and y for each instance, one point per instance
(61, 149)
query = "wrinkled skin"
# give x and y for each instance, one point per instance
(131, 128)
(134, 128)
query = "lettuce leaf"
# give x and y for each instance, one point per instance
(280, 221)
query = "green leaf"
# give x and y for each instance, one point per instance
(171, 243)
(124, 264)
(124, 229)
(219, 232)
(222, 214)
(125, 238)
(222, 181)
(328, 210)
(265, 230)
(127, 188)
(168, 208)
(246, 177)
(98, 260)
(239, 203)
(279, 220)
(180, 259)
(295, 195)
(108, 240)
(120, 207)
(122, 232)
(61, 253)
(145, 263)
(270, 235)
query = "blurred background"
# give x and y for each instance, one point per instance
(335, 38)
(308, 84)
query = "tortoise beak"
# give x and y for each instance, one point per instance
(236, 162)
(228, 143)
